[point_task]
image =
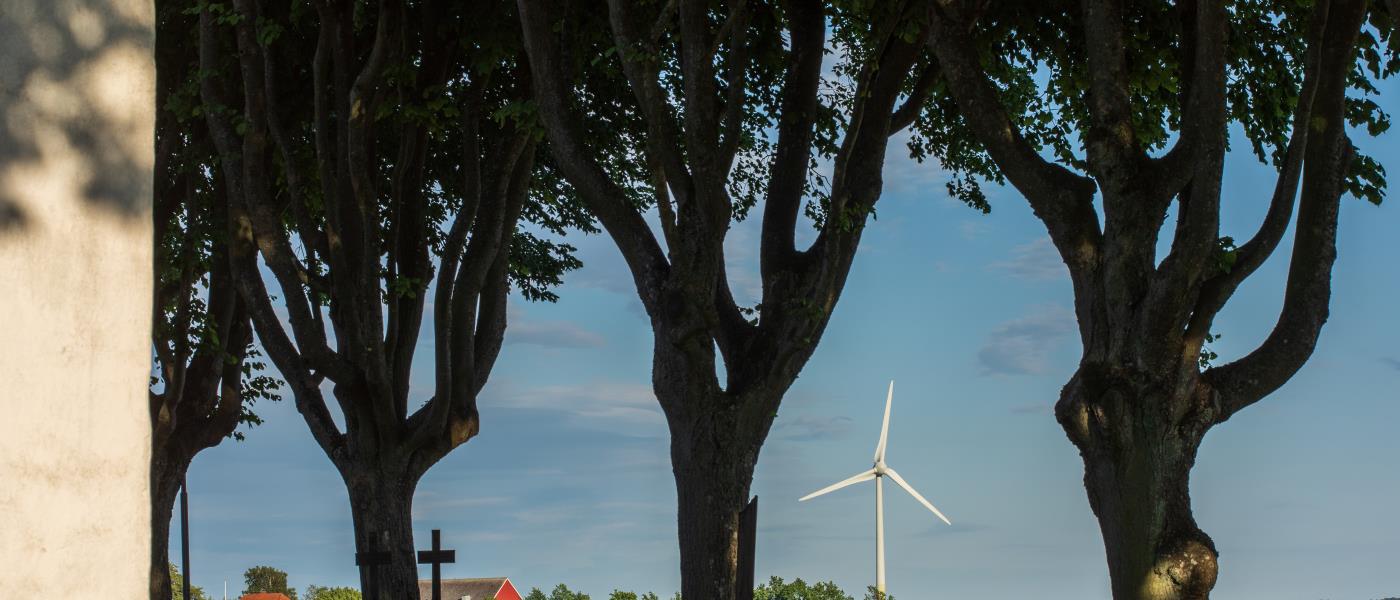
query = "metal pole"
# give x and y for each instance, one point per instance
(880, 535)
(185, 536)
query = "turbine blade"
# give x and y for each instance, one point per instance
(904, 484)
(885, 428)
(854, 479)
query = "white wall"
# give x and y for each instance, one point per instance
(76, 122)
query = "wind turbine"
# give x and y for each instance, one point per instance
(879, 472)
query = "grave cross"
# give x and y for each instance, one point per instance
(437, 557)
(371, 560)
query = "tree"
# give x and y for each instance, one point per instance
(267, 579)
(777, 589)
(689, 92)
(560, 592)
(206, 373)
(316, 592)
(621, 595)
(874, 594)
(177, 585)
(1138, 100)
(367, 148)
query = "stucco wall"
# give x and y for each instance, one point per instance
(76, 123)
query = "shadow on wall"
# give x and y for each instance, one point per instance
(71, 124)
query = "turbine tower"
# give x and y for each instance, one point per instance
(879, 472)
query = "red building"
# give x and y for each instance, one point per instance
(489, 588)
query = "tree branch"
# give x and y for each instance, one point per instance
(907, 113)
(243, 259)
(1195, 243)
(1216, 291)
(736, 28)
(624, 224)
(1307, 295)
(640, 64)
(367, 331)
(1115, 155)
(1060, 198)
(787, 181)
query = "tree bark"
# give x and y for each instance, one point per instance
(165, 487)
(713, 470)
(716, 436)
(1138, 436)
(381, 509)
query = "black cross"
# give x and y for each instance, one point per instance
(436, 557)
(372, 560)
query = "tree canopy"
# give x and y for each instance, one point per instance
(267, 579)
(316, 592)
(1113, 120)
(694, 114)
(560, 592)
(177, 586)
(206, 372)
(379, 155)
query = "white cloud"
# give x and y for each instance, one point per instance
(972, 229)
(603, 267)
(741, 247)
(432, 503)
(628, 408)
(1040, 408)
(553, 334)
(1037, 260)
(1023, 346)
(812, 428)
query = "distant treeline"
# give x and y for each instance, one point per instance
(775, 589)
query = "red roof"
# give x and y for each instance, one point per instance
(265, 596)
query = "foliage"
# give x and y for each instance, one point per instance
(873, 594)
(1030, 53)
(191, 233)
(316, 592)
(267, 579)
(797, 589)
(775, 589)
(1114, 123)
(177, 586)
(560, 592)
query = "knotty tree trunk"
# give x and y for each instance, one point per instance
(1143, 396)
(1138, 450)
(699, 157)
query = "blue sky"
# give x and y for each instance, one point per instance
(570, 480)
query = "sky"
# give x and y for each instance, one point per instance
(569, 480)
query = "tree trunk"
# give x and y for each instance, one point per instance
(166, 474)
(161, 508)
(710, 498)
(713, 458)
(381, 505)
(1138, 442)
